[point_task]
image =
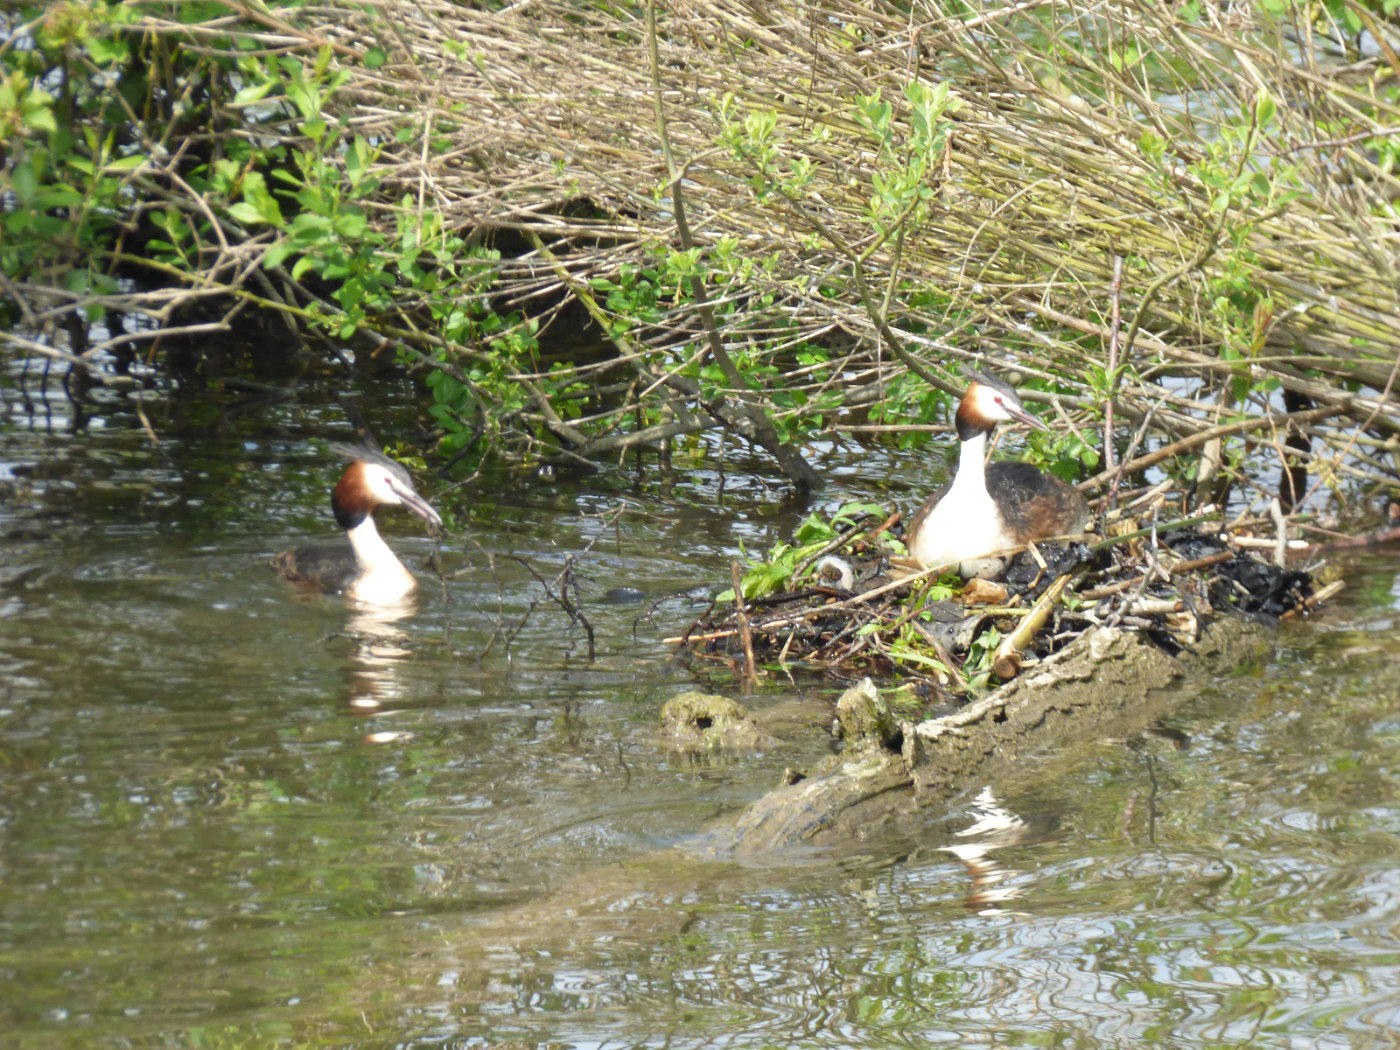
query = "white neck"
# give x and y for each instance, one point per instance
(972, 465)
(964, 525)
(383, 579)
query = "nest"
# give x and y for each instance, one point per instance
(864, 610)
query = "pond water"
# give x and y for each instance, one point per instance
(233, 817)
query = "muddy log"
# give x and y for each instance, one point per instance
(1108, 683)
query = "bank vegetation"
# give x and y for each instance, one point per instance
(597, 229)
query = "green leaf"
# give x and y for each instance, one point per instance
(814, 530)
(256, 193)
(36, 111)
(250, 93)
(851, 511)
(55, 196)
(108, 50)
(276, 255)
(308, 227)
(351, 224)
(246, 213)
(874, 113)
(121, 164)
(307, 101)
(24, 182)
(1264, 109)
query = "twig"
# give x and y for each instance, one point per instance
(1115, 289)
(1212, 433)
(1180, 567)
(1006, 662)
(1311, 602)
(1281, 535)
(741, 617)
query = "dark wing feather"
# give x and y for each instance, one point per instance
(329, 568)
(1035, 505)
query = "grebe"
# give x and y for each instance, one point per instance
(367, 571)
(991, 508)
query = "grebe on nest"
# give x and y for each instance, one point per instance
(366, 571)
(988, 509)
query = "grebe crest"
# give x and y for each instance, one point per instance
(366, 571)
(989, 509)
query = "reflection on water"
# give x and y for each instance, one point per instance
(232, 817)
(376, 678)
(994, 827)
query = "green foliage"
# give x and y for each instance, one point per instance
(1065, 453)
(977, 668)
(909, 399)
(909, 647)
(100, 114)
(780, 570)
(910, 145)
(1242, 188)
(1348, 15)
(461, 387)
(909, 153)
(79, 173)
(67, 169)
(634, 300)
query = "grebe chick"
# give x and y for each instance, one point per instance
(991, 508)
(836, 572)
(367, 571)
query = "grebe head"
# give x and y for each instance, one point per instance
(374, 480)
(986, 403)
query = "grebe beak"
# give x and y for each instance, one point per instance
(1020, 414)
(420, 506)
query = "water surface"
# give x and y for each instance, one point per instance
(230, 816)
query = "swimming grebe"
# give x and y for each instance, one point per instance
(367, 571)
(990, 508)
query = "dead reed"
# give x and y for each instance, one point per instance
(1177, 225)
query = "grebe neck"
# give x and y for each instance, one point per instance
(383, 577)
(972, 465)
(370, 549)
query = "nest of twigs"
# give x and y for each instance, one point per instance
(1164, 578)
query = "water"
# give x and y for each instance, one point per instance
(232, 817)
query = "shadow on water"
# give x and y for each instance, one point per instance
(234, 816)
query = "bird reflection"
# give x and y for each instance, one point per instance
(994, 828)
(377, 660)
